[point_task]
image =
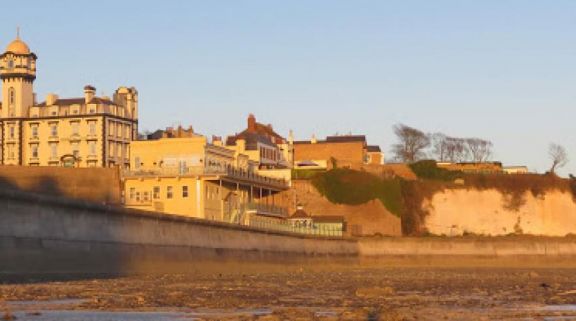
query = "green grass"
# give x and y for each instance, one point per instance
(346, 186)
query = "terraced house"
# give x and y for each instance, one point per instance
(87, 131)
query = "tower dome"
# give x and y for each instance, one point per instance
(18, 47)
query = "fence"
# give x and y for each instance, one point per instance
(288, 226)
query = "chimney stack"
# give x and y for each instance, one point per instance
(51, 99)
(89, 93)
(251, 123)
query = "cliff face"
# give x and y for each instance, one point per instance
(365, 219)
(491, 212)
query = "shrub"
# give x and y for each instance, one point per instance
(427, 169)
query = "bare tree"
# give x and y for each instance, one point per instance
(411, 143)
(480, 150)
(456, 149)
(439, 146)
(558, 156)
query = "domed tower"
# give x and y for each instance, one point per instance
(17, 72)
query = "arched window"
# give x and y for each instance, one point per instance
(11, 96)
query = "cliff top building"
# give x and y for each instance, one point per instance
(83, 131)
(262, 144)
(350, 151)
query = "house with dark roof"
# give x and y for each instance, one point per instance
(262, 144)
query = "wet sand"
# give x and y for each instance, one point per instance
(330, 292)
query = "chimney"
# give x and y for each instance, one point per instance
(51, 99)
(251, 123)
(89, 93)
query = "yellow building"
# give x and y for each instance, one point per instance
(88, 131)
(186, 175)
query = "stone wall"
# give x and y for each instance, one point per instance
(100, 185)
(37, 231)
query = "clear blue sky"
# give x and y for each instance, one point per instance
(503, 69)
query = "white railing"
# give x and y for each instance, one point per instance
(231, 172)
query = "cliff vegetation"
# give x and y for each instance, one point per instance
(406, 198)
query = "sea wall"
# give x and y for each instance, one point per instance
(490, 212)
(38, 231)
(468, 246)
(99, 185)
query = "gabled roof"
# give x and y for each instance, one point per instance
(256, 133)
(300, 213)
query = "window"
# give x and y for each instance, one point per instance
(92, 147)
(11, 97)
(75, 149)
(146, 197)
(10, 64)
(35, 131)
(184, 191)
(132, 192)
(12, 131)
(75, 127)
(53, 150)
(10, 151)
(54, 130)
(156, 192)
(92, 126)
(169, 192)
(34, 151)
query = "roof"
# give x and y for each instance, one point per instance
(346, 138)
(328, 219)
(306, 163)
(18, 47)
(78, 101)
(336, 139)
(255, 133)
(300, 214)
(374, 148)
(251, 140)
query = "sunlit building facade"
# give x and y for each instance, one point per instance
(88, 131)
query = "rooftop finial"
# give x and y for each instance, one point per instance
(18, 32)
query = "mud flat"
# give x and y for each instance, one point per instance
(392, 290)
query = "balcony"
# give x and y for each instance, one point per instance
(232, 173)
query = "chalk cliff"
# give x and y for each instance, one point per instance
(490, 212)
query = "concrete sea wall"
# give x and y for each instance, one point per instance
(39, 233)
(42, 234)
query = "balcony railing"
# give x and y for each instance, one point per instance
(267, 209)
(230, 172)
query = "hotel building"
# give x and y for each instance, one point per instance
(88, 131)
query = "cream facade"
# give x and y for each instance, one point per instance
(189, 176)
(88, 131)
